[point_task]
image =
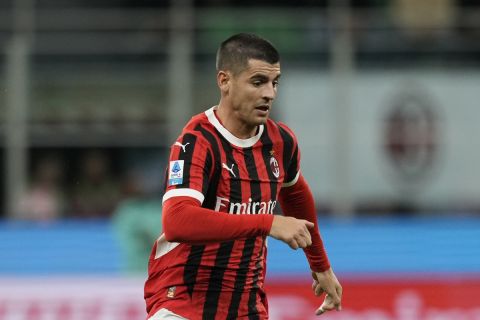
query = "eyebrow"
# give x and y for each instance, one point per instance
(259, 76)
(263, 77)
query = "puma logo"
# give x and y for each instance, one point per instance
(181, 145)
(229, 169)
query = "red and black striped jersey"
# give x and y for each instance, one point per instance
(225, 174)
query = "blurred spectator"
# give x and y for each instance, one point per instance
(423, 18)
(95, 193)
(137, 221)
(44, 199)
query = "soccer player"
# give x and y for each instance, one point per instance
(227, 171)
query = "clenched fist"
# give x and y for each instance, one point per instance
(292, 231)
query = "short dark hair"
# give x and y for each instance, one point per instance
(234, 53)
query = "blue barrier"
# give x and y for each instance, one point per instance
(391, 246)
(64, 247)
(416, 245)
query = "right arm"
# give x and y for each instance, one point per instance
(184, 220)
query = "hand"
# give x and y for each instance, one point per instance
(292, 231)
(327, 282)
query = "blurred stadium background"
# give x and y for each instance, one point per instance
(383, 95)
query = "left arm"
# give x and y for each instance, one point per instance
(297, 201)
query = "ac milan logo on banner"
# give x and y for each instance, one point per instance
(411, 135)
(274, 166)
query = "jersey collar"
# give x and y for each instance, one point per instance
(242, 143)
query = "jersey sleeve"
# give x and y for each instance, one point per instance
(185, 221)
(291, 155)
(298, 202)
(189, 167)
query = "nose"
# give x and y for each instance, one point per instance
(269, 92)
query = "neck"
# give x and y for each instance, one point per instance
(233, 124)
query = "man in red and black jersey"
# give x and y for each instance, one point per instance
(227, 171)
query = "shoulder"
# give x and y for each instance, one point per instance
(287, 130)
(198, 120)
(196, 132)
(282, 131)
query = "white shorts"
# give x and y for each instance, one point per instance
(165, 314)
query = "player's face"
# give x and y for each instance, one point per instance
(253, 90)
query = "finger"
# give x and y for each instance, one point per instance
(318, 290)
(340, 292)
(307, 235)
(293, 244)
(302, 242)
(328, 304)
(320, 311)
(309, 224)
(334, 298)
(306, 242)
(309, 239)
(305, 227)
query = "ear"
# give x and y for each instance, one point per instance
(223, 81)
